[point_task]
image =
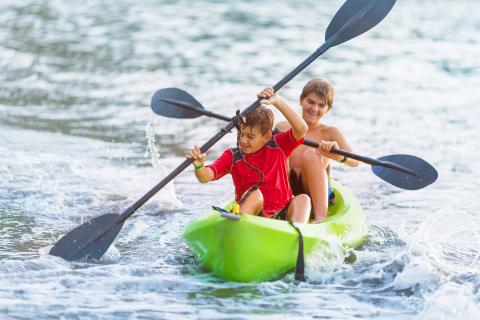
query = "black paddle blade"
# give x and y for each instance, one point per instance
(427, 174)
(361, 15)
(175, 103)
(85, 241)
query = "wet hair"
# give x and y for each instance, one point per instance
(262, 118)
(321, 88)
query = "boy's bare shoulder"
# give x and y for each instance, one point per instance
(325, 132)
(331, 129)
(332, 132)
(283, 126)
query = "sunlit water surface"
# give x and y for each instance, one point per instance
(78, 140)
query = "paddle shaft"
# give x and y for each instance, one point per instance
(367, 160)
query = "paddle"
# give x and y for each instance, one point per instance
(92, 239)
(401, 170)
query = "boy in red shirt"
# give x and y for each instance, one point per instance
(259, 166)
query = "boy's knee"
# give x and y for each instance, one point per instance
(303, 198)
(255, 196)
(258, 195)
(302, 202)
(253, 203)
(311, 157)
(300, 209)
(309, 154)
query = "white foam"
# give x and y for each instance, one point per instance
(416, 272)
(451, 301)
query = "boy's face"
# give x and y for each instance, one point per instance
(251, 139)
(313, 108)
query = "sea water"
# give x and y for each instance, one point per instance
(78, 140)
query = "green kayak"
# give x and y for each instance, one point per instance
(251, 248)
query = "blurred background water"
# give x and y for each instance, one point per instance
(78, 140)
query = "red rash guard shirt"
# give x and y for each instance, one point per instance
(271, 159)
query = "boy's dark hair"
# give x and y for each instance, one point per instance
(262, 118)
(321, 88)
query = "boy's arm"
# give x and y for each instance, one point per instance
(299, 125)
(337, 140)
(343, 144)
(203, 174)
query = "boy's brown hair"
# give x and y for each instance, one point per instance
(321, 88)
(262, 118)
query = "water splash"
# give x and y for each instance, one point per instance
(168, 196)
(327, 259)
(152, 150)
(444, 248)
(450, 241)
(452, 301)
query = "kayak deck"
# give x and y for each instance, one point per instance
(254, 248)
